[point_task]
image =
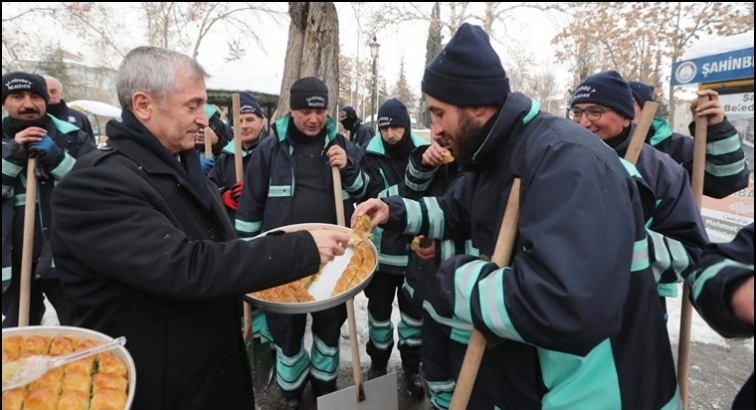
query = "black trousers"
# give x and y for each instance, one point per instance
(39, 289)
(380, 293)
(293, 365)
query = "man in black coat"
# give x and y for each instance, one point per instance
(58, 108)
(359, 133)
(145, 249)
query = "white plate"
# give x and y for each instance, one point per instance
(81, 333)
(322, 287)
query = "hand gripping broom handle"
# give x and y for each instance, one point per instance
(501, 257)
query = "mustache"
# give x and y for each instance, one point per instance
(29, 111)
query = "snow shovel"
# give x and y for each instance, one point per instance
(501, 256)
(377, 394)
(28, 245)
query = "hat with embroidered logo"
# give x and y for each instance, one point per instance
(248, 105)
(607, 89)
(308, 92)
(393, 113)
(19, 81)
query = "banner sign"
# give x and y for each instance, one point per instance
(730, 66)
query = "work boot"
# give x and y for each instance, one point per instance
(290, 403)
(414, 382)
(377, 370)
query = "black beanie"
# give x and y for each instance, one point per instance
(248, 105)
(308, 92)
(393, 113)
(348, 112)
(607, 89)
(18, 81)
(641, 92)
(467, 71)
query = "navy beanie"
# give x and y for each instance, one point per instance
(308, 92)
(18, 81)
(607, 89)
(248, 105)
(467, 71)
(393, 113)
(641, 92)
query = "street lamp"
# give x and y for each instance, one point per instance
(374, 46)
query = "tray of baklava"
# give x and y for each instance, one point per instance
(333, 284)
(104, 381)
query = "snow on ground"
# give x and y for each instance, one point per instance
(700, 331)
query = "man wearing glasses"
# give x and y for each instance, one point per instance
(603, 103)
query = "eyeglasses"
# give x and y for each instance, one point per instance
(591, 113)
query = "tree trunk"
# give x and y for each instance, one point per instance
(312, 51)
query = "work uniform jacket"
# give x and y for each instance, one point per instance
(74, 143)
(387, 176)
(725, 172)
(577, 304)
(269, 184)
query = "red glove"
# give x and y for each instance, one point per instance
(231, 196)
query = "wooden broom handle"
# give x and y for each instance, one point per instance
(351, 322)
(686, 310)
(239, 169)
(30, 209)
(502, 255)
(641, 131)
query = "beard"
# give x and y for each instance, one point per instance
(12, 125)
(467, 141)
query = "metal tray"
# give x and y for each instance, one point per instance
(81, 333)
(322, 304)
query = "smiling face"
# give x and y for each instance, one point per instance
(25, 105)
(176, 121)
(251, 125)
(309, 121)
(608, 124)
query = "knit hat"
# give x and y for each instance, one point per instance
(641, 92)
(248, 105)
(18, 81)
(607, 89)
(347, 112)
(393, 113)
(308, 92)
(467, 71)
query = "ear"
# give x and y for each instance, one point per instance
(482, 111)
(142, 105)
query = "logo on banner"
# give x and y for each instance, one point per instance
(686, 72)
